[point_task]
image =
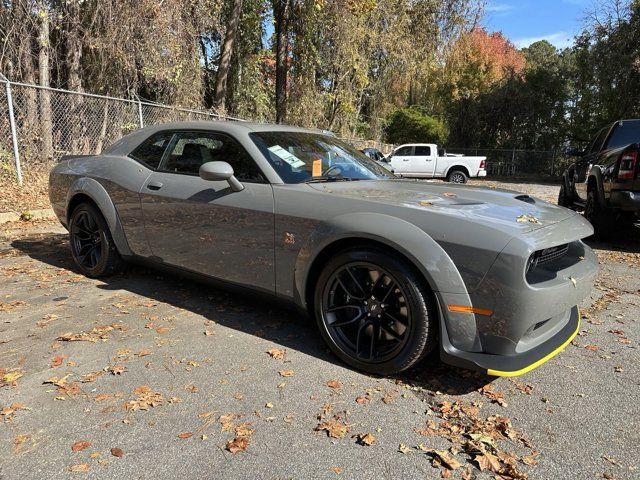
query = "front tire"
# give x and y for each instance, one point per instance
(92, 246)
(375, 312)
(457, 176)
(601, 218)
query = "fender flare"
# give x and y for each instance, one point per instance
(458, 166)
(94, 190)
(423, 252)
(595, 172)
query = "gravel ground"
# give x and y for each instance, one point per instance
(150, 376)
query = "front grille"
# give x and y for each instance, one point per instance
(551, 254)
(547, 255)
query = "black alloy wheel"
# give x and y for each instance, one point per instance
(92, 246)
(367, 312)
(86, 239)
(374, 311)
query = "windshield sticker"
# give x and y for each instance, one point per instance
(290, 158)
(317, 168)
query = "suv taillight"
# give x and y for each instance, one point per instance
(482, 164)
(627, 165)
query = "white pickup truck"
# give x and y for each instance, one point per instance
(421, 160)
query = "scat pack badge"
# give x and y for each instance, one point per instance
(289, 238)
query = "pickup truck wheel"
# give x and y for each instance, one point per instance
(375, 312)
(92, 246)
(457, 176)
(601, 218)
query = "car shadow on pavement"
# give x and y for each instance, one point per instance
(246, 313)
(625, 241)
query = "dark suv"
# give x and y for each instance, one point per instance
(605, 180)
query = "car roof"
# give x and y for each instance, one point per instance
(232, 127)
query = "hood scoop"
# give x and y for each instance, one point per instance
(525, 198)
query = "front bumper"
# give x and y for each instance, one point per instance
(530, 314)
(513, 365)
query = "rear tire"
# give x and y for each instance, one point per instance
(601, 218)
(457, 176)
(374, 311)
(92, 246)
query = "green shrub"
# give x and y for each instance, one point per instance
(413, 125)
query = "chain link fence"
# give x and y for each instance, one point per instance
(533, 164)
(38, 125)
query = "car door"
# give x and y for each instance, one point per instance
(423, 161)
(583, 164)
(401, 158)
(205, 226)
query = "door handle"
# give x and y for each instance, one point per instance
(154, 185)
(405, 159)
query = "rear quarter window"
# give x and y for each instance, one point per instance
(150, 151)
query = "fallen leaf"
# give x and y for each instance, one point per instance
(334, 384)
(162, 330)
(238, 444)
(11, 377)
(277, 353)
(244, 429)
(57, 361)
(488, 461)
(143, 353)
(80, 468)
(185, 435)
(334, 428)
(402, 448)
(445, 458)
(79, 446)
(365, 439)
(117, 452)
(286, 373)
(593, 348)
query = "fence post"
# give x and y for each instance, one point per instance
(140, 112)
(14, 135)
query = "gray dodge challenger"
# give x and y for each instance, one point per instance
(391, 269)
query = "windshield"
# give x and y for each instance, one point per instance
(303, 157)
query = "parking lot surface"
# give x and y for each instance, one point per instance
(145, 375)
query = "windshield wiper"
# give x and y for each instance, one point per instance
(329, 178)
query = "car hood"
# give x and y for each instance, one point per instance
(504, 209)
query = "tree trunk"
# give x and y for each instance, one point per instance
(225, 55)
(281, 12)
(73, 40)
(44, 81)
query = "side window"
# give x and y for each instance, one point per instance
(422, 151)
(151, 150)
(403, 152)
(189, 150)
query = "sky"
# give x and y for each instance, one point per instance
(527, 21)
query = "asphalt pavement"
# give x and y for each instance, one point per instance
(149, 376)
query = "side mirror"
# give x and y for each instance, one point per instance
(573, 152)
(214, 171)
